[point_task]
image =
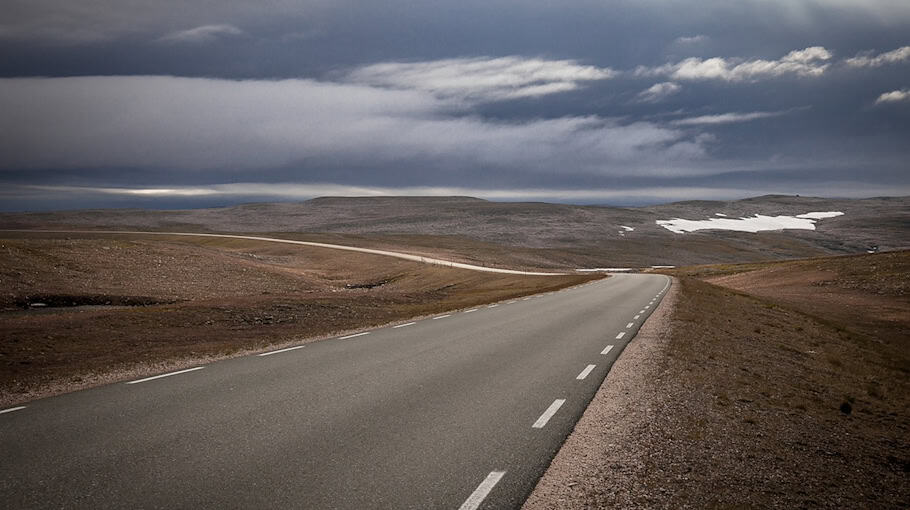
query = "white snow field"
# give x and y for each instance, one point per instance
(820, 215)
(752, 224)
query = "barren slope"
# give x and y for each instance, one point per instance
(115, 304)
(540, 234)
(788, 400)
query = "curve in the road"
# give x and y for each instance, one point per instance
(386, 253)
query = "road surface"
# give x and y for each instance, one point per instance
(461, 410)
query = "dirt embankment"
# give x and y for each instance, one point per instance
(795, 397)
(77, 311)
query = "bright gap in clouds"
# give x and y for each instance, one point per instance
(246, 192)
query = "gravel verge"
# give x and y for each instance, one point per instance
(602, 458)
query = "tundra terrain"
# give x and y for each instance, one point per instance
(778, 382)
(78, 310)
(766, 385)
(534, 234)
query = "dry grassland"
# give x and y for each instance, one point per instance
(117, 306)
(787, 387)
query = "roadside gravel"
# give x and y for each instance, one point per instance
(603, 459)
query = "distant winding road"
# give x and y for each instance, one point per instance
(406, 256)
(462, 410)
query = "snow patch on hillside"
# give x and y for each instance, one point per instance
(757, 223)
(820, 215)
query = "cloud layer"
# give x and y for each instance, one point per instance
(895, 96)
(194, 123)
(575, 95)
(725, 118)
(482, 78)
(201, 34)
(658, 92)
(810, 61)
(899, 55)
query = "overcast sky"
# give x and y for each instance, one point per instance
(119, 103)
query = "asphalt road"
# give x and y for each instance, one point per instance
(445, 412)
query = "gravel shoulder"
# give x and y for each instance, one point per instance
(604, 457)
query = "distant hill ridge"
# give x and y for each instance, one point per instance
(588, 231)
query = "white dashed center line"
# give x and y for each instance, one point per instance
(404, 325)
(281, 350)
(606, 349)
(525, 299)
(647, 306)
(442, 317)
(545, 417)
(480, 493)
(355, 335)
(492, 306)
(584, 373)
(471, 310)
(629, 325)
(165, 375)
(619, 336)
(11, 409)
(636, 317)
(641, 311)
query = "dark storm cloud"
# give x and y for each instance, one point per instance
(577, 101)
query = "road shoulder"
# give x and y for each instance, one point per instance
(602, 457)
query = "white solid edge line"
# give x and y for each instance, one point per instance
(480, 493)
(165, 375)
(354, 335)
(584, 373)
(404, 325)
(545, 417)
(606, 349)
(619, 336)
(629, 325)
(11, 409)
(471, 310)
(281, 350)
(442, 317)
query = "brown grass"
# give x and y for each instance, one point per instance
(202, 298)
(758, 408)
(787, 389)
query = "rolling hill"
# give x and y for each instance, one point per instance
(532, 234)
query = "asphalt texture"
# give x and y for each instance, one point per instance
(410, 417)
